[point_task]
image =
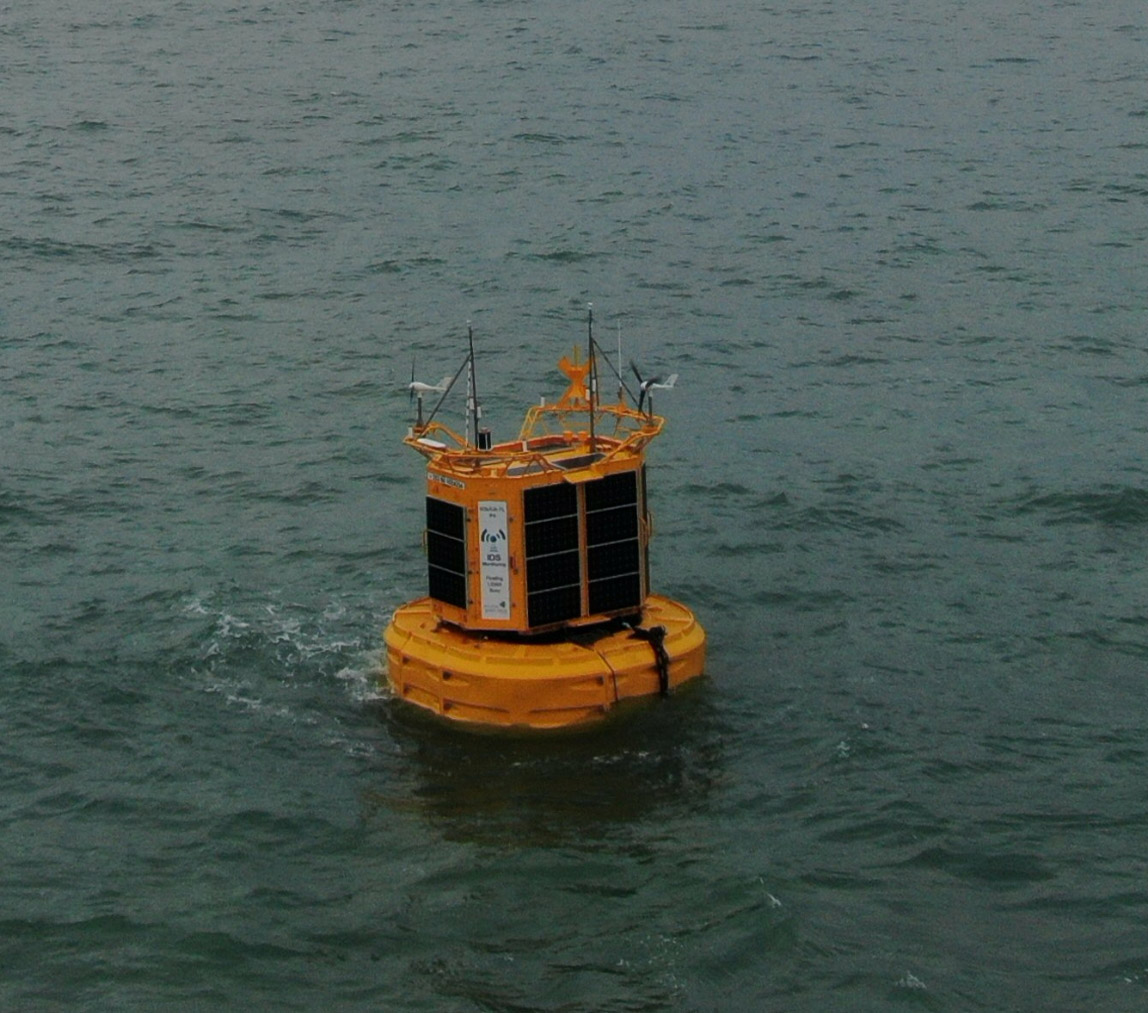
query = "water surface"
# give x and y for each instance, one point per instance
(895, 252)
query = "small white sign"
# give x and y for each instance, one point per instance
(494, 559)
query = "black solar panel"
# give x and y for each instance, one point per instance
(616, 593)
(612, 491)
(447, 587)
(446, 552)
(612, 525)
(553, 560)
(557, 535)
(555, 550)
(558, 570)
(550, 501)
(613, 550)
(546, 607)
(446, 518)
(611, 560)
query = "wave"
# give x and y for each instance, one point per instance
(1121, 506)
(268, 655)
(44, 248)
(993, 867)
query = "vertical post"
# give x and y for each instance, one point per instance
(474, 412)
(591, 394)
(621, 384)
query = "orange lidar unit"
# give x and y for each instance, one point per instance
(539, 611)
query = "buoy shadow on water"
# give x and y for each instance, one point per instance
(523, 787)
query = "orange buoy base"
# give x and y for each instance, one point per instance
(497, 682)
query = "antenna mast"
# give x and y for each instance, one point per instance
(474, 412)
(592, 393)
(621, 382)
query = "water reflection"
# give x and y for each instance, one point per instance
(651, 763)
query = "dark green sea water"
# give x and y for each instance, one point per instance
(896, 252)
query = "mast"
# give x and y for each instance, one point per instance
(474, 412)
(591, 394)
(621, 382)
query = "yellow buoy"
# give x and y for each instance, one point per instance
(539, 612)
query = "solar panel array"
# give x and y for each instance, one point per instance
(554, 554)
(577, 536)
(553, 559)
(613, 558)
(446, 552)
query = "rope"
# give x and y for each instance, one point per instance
(655, 636)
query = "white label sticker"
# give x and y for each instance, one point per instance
(494, 556)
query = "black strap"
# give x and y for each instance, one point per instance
(655, 636)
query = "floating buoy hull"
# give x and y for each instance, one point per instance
(545, 683)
